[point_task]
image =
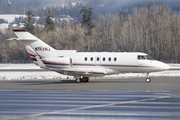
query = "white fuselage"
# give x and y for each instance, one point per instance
(105, 63)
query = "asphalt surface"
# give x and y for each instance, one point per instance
(99, 99)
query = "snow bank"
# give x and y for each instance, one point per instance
(31, 75)
(10, 75)
(53, 75)
(19, 66)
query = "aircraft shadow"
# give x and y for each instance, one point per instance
(118, 81)
(43, 82)
(49, 82)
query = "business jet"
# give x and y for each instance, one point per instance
(83, 65)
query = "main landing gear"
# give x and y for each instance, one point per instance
(83, 79)
(148, 79)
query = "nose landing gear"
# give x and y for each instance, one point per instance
(148, 79)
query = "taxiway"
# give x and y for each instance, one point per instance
(98, 99)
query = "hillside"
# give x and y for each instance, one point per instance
(71, 7)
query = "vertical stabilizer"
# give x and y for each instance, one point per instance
(34, 45)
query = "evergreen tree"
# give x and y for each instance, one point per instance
(87, 18)
(18, 20)
(3, 21)
(29, 21)
(49, 23)
(123, 16)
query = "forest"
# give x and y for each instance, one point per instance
(154, 30)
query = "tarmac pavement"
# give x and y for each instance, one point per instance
(99, 99)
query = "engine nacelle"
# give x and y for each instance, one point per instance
(58, 61)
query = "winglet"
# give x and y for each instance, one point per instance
(40, 63)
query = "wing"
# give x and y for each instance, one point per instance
(80, 72)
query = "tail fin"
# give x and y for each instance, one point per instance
(34, 46)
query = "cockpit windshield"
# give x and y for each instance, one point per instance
(144, 57)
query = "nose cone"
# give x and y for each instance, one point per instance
(163, 66)
(166, 67)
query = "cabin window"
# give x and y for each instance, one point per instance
(97, 58)
(104, 58)
(85, 58)
(91, 58)
(109, 59)
(115, 59)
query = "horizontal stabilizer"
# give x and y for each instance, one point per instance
(26, 39)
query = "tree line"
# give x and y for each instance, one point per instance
(154, 30)
(100, 7)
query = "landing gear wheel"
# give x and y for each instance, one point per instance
(148, 80)
(85, 79)
(78, 80)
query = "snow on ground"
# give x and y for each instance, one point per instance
(10, 17)
(4, 26)
(19, 66)
(10, 75)
(30, 75)
(53, 75)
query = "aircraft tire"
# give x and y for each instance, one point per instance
(78, 80)
(148, 80)
(85, 79)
